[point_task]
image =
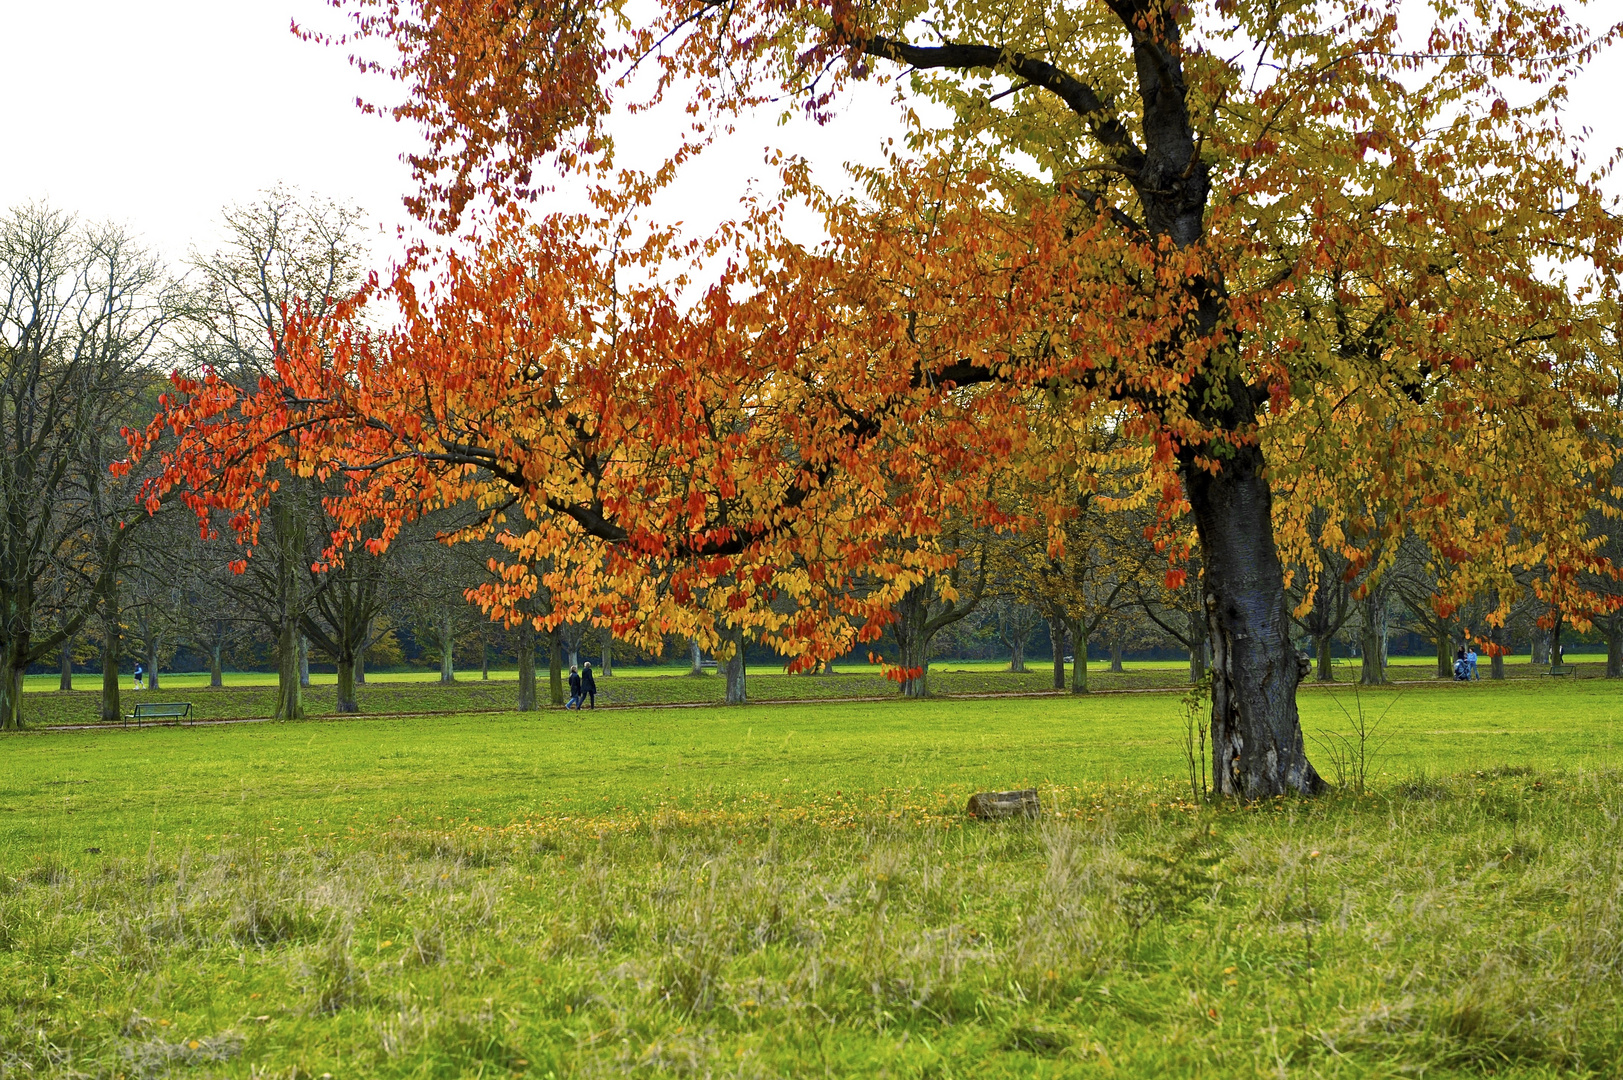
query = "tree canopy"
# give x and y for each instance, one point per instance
(1293, 261)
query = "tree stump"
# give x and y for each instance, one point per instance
(997, 805)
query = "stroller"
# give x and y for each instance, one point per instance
(1462, 670)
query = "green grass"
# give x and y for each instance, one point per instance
(252, 695)
(255, 696)
(791, 891)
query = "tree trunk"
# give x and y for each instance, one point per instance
(1372, 669)
(1017, 656)
(526, 667)
(1115, 656)
(1056, 636)
(608, 652)
(1079, 660)
(1198, 633)
(11, 687)
(1557, 659)
(289, 693)
(484, 660)
(112, 710)
(360, 667)
(555, 663)
(913, 641)
(735, 670)
(346, 685)
(698, 659)
(66, 681)
(304, 662)
(11, 691)
(154, 644)
(1614, 648)
(1327, 668)
(216, 673)
(1540, 649)
(447, 650)
(1445, 659)
(1257, 746)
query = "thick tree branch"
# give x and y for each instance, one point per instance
(1081, 98)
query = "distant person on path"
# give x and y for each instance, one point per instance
(1470, 661)
(140, 676)
(574, 689)
(588, 684)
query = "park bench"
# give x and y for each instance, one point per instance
(160, 710)
(1563, 672)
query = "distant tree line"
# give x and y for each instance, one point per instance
(94, 576)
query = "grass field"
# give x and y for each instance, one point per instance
(252, 695)
(791, 890)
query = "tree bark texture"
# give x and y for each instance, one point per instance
(11, 698)
(65, 682)
(1257, 747)
(526, 667)
(304, 662)
(1079, 659)
(1056, 637)
(698, 658)
(1372, 640)
(1115, 656)
(360, 666)
(216, 673)
(1445, 657)
(1199, 632)
(484, 660)
(913, 635)
(608, 652)
(447, 648)
(555, 665)
(346, 686)
(1327, 668)
(112, 710)
(736, 694)
(1614, 648)
(289, 693)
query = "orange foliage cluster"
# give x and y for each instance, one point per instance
(1416, 281)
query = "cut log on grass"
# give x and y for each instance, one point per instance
(996, 805)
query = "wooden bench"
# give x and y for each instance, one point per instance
(160, 710)
(1562, 673)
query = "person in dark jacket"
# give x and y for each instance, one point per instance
(588, 685)
(574, 689)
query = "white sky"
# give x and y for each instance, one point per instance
(155, 113)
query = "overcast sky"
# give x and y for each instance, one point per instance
(155, 113)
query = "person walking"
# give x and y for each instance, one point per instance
(140, 675)
(574, 688)
(588, 685)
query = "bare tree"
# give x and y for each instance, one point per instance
(81, 312)
(283, 250)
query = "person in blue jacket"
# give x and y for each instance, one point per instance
(574, 689)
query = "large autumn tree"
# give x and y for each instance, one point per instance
(1224, 229)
